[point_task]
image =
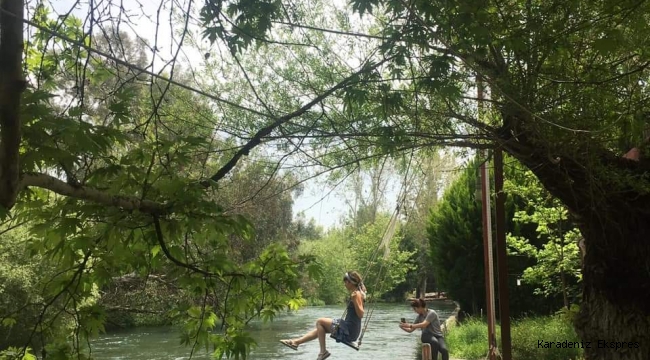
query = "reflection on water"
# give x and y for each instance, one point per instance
(383, 339)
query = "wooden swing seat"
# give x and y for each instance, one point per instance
(353, 344)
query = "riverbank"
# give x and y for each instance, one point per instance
(469, 340)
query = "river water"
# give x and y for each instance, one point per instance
(383, 339)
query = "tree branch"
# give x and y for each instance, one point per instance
(640, 68)
(163, 246)
(257, 138)
(338, 32)
(86, 193)
(132, 66)
(12, 85)
(132, 310)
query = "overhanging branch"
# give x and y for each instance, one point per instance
(257, 138)
(193, 268)
(121, 62)
(163, 246)
(86, 193)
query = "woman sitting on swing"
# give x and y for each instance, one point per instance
(344, 330)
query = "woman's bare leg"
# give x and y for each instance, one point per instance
(323, 326)
(315, 333)
(307, 337)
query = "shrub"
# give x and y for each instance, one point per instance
(527, 333)
(469, 340)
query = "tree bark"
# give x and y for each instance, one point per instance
(603, 322)
(583, 250)
(12, 85)
(613, 216)
(130, 203)
(616, 282)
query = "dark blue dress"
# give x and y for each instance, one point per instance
(348, 329)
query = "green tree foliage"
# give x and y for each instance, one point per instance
(433, 172)
(331, 251)
(346, 249)
(306, 230)
(557, 262)
(383, 268)
(20, 287)
(263, 198)
(456, 238)
(251, 192)
(567, 86)
(113, 139)
(457, 244)
(13, 353)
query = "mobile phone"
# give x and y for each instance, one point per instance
(403, 320)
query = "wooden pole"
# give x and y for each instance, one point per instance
(487, 240)
(426, 352)
(488, 259)
(502, 256)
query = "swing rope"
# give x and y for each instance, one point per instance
(378, 283)
(388, 234)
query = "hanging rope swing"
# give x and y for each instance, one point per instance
(384, 245)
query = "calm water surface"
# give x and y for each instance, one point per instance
(383, 339)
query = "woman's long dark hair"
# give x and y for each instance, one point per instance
(419, 303)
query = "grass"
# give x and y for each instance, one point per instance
(469, 340)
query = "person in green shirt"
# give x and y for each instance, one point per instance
(428, 321)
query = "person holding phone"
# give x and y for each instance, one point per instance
(429, 322)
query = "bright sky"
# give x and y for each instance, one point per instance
(327, 205)
(319, 200)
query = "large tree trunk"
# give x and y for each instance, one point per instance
(616, 276)
(11, 86)
(603, 322)
(613, 214)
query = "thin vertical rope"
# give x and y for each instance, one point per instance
(388, 234)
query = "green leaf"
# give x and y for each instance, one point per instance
(155, 250)
(8, 322)
(605, 45)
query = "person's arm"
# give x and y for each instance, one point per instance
(409, 328)
(420, 325)
(406, 327)
(357, 299)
